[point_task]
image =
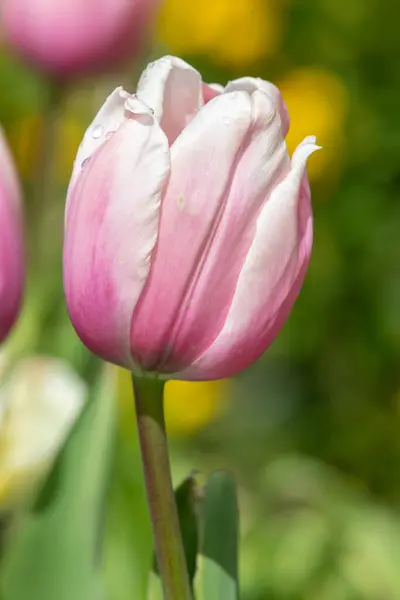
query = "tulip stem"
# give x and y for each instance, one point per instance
(160, 494)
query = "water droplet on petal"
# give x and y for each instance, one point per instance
(124, 94)
(109, 135)
(226, 121)
(97, 132)
(137, 107)
(85, 162)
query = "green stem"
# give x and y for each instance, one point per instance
(157, 472)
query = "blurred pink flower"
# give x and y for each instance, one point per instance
(65, 36)
(12, 266)
(188, 229)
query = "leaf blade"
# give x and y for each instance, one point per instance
(217, 576)
(55, 553)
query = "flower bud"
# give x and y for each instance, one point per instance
(69, 36)
(188, 228)
(12, 264)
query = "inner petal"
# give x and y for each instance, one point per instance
(251, 84)
(174, 90)
(211, 90)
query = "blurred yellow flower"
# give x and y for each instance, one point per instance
(232, 33)
(69, 135)
(39, 403)
(189, 406)
(317, 101)
(25, 141)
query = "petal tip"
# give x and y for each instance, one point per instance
(304, 150)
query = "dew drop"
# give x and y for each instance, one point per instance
(226, 121)
(85, 162)
(137, 107)
(109, 134)
(97, 132)
(124, 94)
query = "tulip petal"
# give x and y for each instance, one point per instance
(270, 280)
(109, 118)
(173, 89)
(211, 90)
(224, 167)
(251, 84)
(111, 230)
(12, 259)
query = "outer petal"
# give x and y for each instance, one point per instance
(12, 264)
(173, 89)
(270, 280)
(111, 230)
(224, 166)
(109, 118)
(255, 83)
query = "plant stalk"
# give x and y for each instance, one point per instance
(157, 473)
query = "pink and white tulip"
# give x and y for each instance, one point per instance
(69, 36)
(188, 228)
(12, 264)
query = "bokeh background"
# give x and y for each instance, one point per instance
(312, 431)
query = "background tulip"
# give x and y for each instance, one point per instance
(39, 402)
(188, 228)
(12, 272)
(68, 36)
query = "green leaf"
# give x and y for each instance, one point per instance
(128, 541)
(186, 496)
(56, 550)
(186, 500)
(217, 576)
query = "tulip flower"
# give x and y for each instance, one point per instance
(188, 228)
(69, 36)
(12, 271)
(39, 403)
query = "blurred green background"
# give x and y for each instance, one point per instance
(312, 431)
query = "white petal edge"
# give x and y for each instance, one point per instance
(251, 84)
(108, 119)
